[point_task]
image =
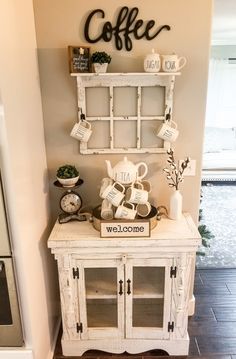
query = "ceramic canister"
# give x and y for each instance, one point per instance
(152, 62)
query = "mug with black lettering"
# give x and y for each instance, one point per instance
(114, 193)
(143, 209)
(146, 185)
(126, 211)
(168, 131)
(136, 195)
(82, 131)
(172, 63)
(106, 210)
(104, 184)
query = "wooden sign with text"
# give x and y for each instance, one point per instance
(79, 60)
(124, 228)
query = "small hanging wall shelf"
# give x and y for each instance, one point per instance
(142, 125)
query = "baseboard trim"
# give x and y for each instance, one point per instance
(54, 342)
(22, 353)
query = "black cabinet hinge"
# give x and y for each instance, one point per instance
(170, 326)
(79, 327)
(173, 271)
(75, 273)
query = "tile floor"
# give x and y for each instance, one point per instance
(219, 214)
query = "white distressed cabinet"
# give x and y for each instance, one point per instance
(126, 294)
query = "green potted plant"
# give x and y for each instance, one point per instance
(100, 60)
(67, 175)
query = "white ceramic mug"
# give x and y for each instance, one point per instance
(106, 210)
(82, 131)
(137, 184)
(143, 209)
(136, 195)
(168, 131)
(114, 193)
(126, 211)
(172, 63)
(146, 185)
(104, 184)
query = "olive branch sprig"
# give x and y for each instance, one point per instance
(174, 175)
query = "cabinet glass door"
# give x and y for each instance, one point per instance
(148, 293)
(102, 298)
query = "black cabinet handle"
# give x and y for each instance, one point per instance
(121, 287)
(128, 288)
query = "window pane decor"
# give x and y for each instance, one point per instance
(120, 125)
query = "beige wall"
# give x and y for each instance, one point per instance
(59, 24)
(23, 160)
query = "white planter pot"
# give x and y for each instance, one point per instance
(68, 182)
(100, 68)
(175, 211)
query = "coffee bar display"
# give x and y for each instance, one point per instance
(126, 274)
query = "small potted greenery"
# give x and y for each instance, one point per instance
(100, 60)
(67, 175)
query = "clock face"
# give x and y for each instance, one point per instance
(70, 202)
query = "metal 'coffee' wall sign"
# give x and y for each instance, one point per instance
(126, 25)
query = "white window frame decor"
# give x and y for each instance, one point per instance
(115, 80)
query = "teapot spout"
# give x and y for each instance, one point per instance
(109, 169)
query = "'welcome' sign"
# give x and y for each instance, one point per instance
(126, 25)
(122, 228)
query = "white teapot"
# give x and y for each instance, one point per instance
(126, 171)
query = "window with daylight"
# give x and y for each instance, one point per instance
(220, 131)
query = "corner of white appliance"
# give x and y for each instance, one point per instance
(16, 353)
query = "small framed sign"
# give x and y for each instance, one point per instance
(123, 228)
(79, 60)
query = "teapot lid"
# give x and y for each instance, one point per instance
(125, 161)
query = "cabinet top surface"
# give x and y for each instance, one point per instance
(167, 232)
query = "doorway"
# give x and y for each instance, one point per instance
(218, 200)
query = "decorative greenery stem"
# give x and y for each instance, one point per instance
(174, 175)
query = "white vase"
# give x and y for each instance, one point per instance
(100, 68)
(175, 211)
